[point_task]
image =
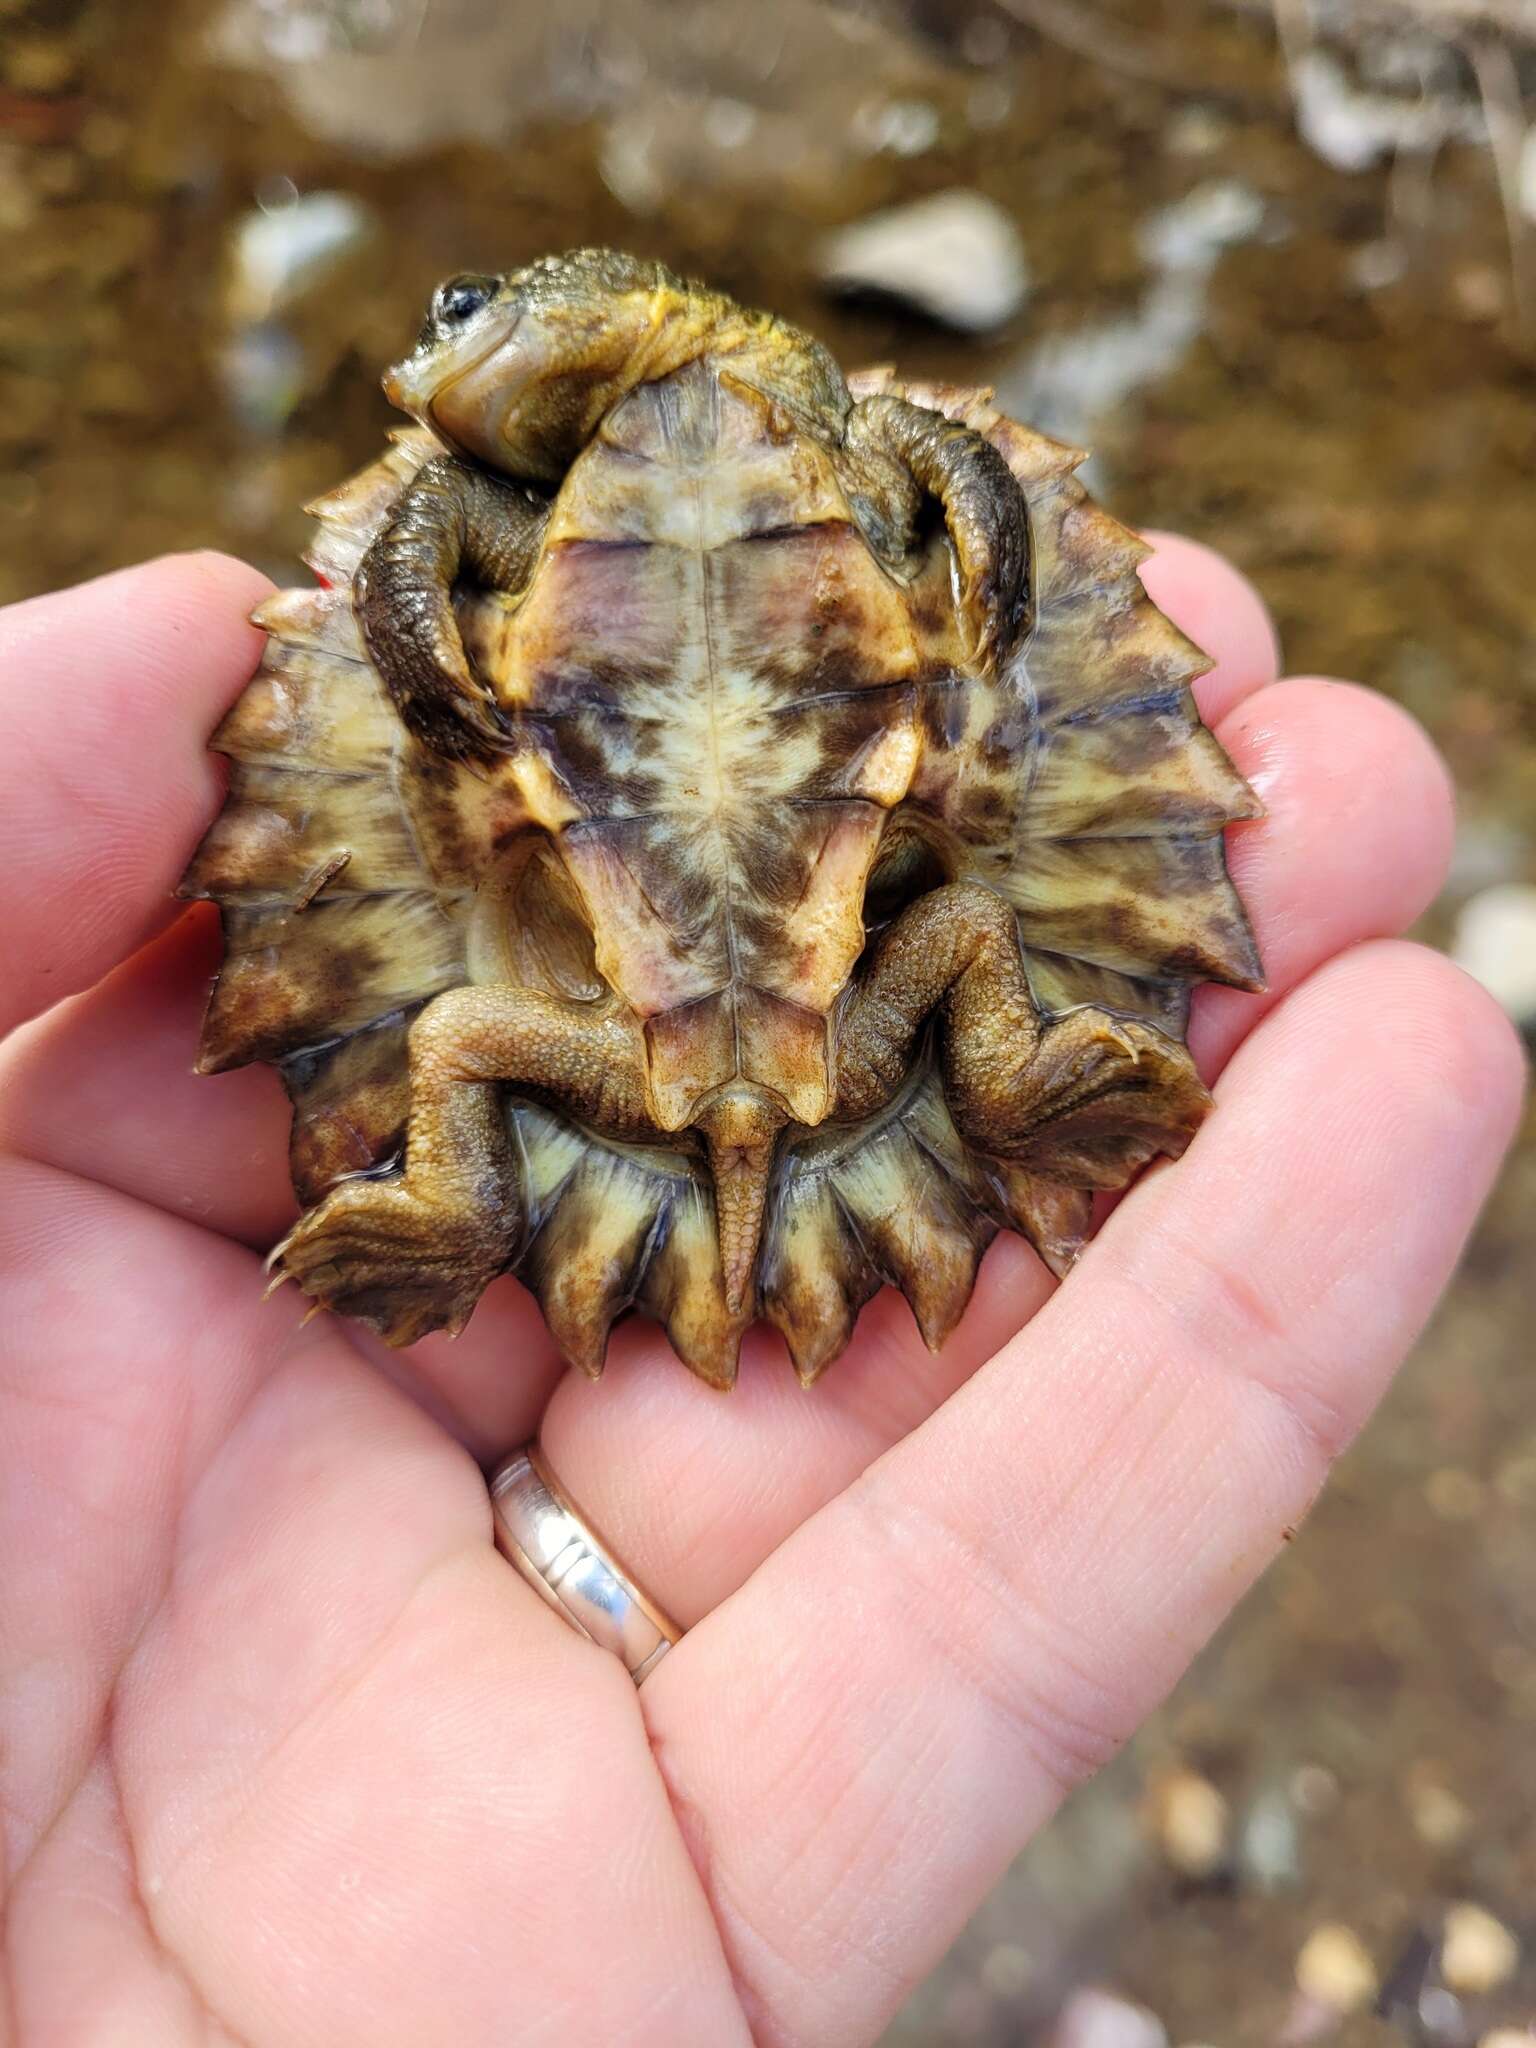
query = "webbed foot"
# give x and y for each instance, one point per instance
(1081, 1101)
(1099, 1097)
(404, 1265)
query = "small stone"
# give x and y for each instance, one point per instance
(287, 246)
(1496, 943)
(1375, 265)
(1269, 1848)
(1439, 1817)
(1007, 1969)
(1098, 2019)
(1480, 292)
(989, 103)
(729, 123)
(955, 256)
(1190, 1822)
(1335, 1970)
(1314, 1788)
(1197, 129)
(1508, 2037)
(1477, 1952)
(1440, 2015)
(40, 64)
(1516, 1481)
(1454, 1495)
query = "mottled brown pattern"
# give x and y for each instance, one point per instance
(722, 712)
(349, 1106)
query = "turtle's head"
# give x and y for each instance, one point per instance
(517, 371)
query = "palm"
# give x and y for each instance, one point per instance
(291, 1756)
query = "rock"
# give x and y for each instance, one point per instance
(1314, 1788)
(1487, 850)
(1508, 2037)
(1098, 2019)
(1439, 1817)
(954, 256)
(1072, 381)
(1335, 1970)
(1477, 1952)
(1190, 1822)
(1526, 181)
(1496, 942)
(40, 64)
(1441, 2019)
(1007, 1969)
(1269, 1847)
(1352, 130)
(284, 248)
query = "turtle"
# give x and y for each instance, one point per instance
(718, 838)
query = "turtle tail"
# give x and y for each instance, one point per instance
(804, 1242)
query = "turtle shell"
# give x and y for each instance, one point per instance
(740, 742)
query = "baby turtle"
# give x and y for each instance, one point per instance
(720, 838)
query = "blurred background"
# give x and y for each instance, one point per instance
(1275, 262)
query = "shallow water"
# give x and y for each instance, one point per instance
(1305, 350)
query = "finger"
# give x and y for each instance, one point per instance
(128, 1344)
(693, 1491)
(350, 1687)
(866, 1734)
(244, 1567)
(108, 694)
(1356, 843)
(1221, 612)
(103, 1086)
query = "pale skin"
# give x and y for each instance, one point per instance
(291, 1757)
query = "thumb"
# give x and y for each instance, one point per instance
(107, 695)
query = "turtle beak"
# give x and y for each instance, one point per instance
(410, 384)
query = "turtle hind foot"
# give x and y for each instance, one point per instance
(1099, 1099)
(403, 1265)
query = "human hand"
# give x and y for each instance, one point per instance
(291, 1756)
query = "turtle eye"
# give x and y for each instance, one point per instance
(454, 302)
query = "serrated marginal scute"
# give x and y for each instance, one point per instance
(683, 1289)
(587, 1260)
(1114, 857)
(815, 1273)
(311, 710)
(350, 1100)
(919, 1229)
(294, 978)
(348, 517)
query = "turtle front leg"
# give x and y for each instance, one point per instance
(412, 1251)
(450, 521)
(1082, 1101)
(894, 454)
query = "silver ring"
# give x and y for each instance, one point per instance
(540, 1530)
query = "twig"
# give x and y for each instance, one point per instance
(1086, 35)
(1504, 110)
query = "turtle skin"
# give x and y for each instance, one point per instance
(775, 852)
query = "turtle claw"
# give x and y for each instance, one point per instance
(376, 1251)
